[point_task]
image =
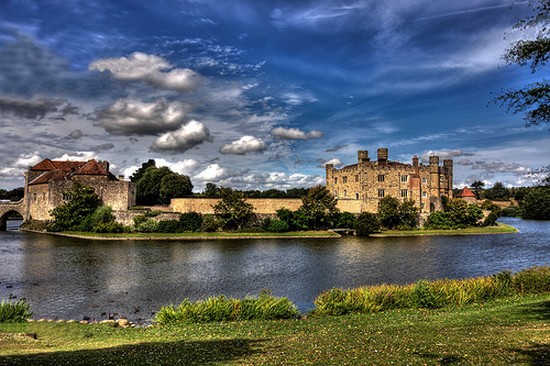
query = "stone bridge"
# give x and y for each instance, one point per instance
(8, 208)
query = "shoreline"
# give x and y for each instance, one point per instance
(500, 229)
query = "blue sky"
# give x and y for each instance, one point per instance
(261, 94)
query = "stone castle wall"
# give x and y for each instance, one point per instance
(261, 205)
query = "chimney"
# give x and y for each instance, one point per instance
(382, 156)
(415, 164)
(363, 156)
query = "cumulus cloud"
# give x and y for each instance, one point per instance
(445, 154)
(295, 134)
(214, 172)
(21, 164)
(152, 69)
(186, 137)
(134, 117)
(243, 145)
(78, 156)
(336, 162)
(31, 109)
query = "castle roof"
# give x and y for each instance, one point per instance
(54, 170)
(466, 192)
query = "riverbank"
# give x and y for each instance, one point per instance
(508, 331)
(320, 234)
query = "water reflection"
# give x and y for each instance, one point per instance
(71, 278)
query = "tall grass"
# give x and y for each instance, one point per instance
(14, 312)
(221, 308)
(432, 294)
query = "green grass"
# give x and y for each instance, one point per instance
(199, 235)
(511, 331)
(499, 229)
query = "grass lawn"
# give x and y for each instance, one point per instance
(511, 331)
(499, 229)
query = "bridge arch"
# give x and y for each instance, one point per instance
(8, 209)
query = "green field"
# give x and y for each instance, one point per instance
(511, 331)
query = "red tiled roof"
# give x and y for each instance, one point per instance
(466, 192)
(59, 170)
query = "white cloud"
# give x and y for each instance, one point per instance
(186, 137)
(213, 172)
(135, 117)
(445, 154)
(336, 162)
(243, 145)
(295, 98)
(78, 156)
(26, 160)
(148, 68)
(295, 134)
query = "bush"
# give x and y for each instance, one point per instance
(147, 226)
(14, 312)
(108, 227)
(438, 221)
(510, 211)
(491, 219)
(210, 224)
(221, 308)
(366, 224)
(346, 220)
(191, 221)
(168, 226)
(277, 226)
(432, 294)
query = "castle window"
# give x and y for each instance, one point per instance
(357, 178)
(442, 178)
(335, 180)
(380, 193)
(404, 193)
(357, 196)
(381, 178)
(404, 178)
(424, 181)
(345, 193)
(424, 194)
(344, 179)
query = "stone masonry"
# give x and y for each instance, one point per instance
(360, 187)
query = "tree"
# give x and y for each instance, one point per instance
(319, 208)
(536, 204)
(174, 185)
(409, 214)
(139, 173)
(211, 191)
(463, 214)
(148, 186)
(533, 99)
(478, 187)
(497, 193)
(366, 224)
(388, 212)
(233, 211)
(83, 202)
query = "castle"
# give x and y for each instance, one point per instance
(359, 187)
(46, 182)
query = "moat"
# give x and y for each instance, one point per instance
(64, 278)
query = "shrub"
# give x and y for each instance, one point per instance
(491, 219)
(346, 220)
(191, 221)
(277, 226)
(108, 227)
(168, 226)
(432, 294)
(221, 308)
(438, 221)
(14, 312)
(147, 226)
(510, 211)
(210, 224)
(366, 224)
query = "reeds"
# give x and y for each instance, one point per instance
(432, 294)
(14, 312)
(221, 308)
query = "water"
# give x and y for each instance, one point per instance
(71, 278)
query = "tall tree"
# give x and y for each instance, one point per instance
(534, 99)
(478, 186)
(233, 211)
(174, 185)
(139, 173)
(82, 202)
(148, 186)
(319, 208)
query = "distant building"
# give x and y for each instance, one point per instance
(46, 182)
(467, 195)
(360, 187)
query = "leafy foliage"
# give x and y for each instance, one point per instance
(174, 185)
(534, 99)
(14, 312)
(478, 188)
(393, 214)
(346, 220)
(536, 204)
(497, 193)
(318, 208)
(159, 185)
(13, 195)
(233, 211)
(366, 224)
(82, 203)
(191, 221)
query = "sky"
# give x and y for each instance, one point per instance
(262, 94)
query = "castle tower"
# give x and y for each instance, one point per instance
(382, 156)
(448, 171)
(362, 156)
